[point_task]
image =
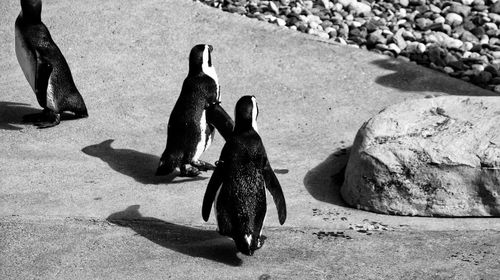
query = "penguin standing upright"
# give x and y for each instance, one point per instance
(194, 116)
(45, 68)
(238, 183)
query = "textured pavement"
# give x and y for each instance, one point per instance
(81, 201)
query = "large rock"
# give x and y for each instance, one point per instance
(428, 157)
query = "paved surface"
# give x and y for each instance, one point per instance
(80, 200)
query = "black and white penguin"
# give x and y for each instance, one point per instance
(194, 116)
(237, 186)
(45, 68)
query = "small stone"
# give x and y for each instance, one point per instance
(297, 10)
(280, 22)
(457, 65)
(496, 88)
(340, 40)
(494, 17)
(484, 40)
(394, 48)
(273, 7)
(323, 35)
(404, 3)
(460, 9)
(454, 19)
(478, 31)
(422, 23)
(434, 9)
(495, 81)
(326, 23)
(236, 9)
(313, 25)
(469, 37)
(416, 47)
(480, 8)
(477, 67)
(496, 54)
(308, 4)
(360, 8)
(495, 8)
(494, 71)
(399, 40)
(483, 77)
(468, 46)
(333, 33)
(491, 26)
(375, 37)
(435, 56)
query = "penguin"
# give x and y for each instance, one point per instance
(194, 118)
(237, 186)
(45, 68)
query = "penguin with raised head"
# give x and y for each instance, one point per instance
(45, 68)
(237, 186)
(196, 114)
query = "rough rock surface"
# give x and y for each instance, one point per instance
(428, 157)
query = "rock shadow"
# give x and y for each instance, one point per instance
(411, 77)
(140, 166)
(11, 114)
(186, 240)
(323, 182)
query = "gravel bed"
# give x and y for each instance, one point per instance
(460, 38)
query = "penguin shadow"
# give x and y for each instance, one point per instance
(11, 114)
(323, 182)
(186, 240)
(410, 77)
(140, 166)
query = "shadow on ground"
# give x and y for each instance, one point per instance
(140, 166)
(11, 114)
(409, 77)
(190, 241)
(323, 182)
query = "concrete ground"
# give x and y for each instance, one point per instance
(80, 200)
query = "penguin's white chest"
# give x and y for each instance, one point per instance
(205, 138)
(210, 71)
(26, 59)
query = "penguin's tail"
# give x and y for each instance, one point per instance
(167, 165)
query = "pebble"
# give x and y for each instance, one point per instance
(458, 37)
(454, 19)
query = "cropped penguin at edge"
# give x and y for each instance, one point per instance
(237, 186)
(196, 114)
(45, 68)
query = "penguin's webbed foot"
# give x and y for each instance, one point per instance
(45, 119)
(260, 243)
(202, 165)
(189, 171)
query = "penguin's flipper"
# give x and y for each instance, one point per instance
(42, 75)
(217, 116)
(212, 188)
(274, 187)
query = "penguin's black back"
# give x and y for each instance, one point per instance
(197, 93)
(241, 205)
(38, 39)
